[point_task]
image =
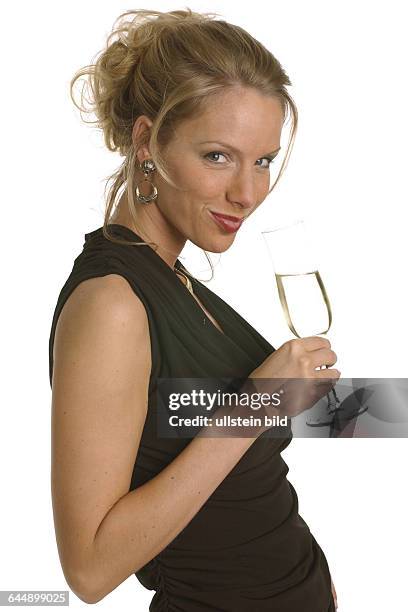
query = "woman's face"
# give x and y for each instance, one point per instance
(220, 162)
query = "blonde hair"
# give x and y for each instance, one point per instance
(166, 65)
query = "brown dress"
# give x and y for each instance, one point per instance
(247, 549)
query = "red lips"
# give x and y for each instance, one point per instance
(227, 216)
(227, 222)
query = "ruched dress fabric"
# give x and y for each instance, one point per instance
(247, 549)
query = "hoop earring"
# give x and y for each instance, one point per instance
(147, 166)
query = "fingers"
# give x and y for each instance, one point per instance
(299, 346)
(311, 352)
(323, 356)
(312, 343)
(311, 360)
(329, 373)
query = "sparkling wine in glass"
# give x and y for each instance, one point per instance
(301, 291)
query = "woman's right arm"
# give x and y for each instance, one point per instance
(102, 364)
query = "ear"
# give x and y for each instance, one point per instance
(140, 137)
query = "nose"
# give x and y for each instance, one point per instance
(242, 189)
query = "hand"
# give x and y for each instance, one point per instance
(299, 358)
(333, 590)
(291, 371)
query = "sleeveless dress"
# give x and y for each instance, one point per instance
(247, 549)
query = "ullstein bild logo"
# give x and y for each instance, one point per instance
(239, 407)
(228, 421)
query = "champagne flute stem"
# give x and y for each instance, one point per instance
(333, 391)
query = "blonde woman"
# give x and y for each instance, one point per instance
(196, 106)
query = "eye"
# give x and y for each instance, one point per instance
(207, 156)
(270, 160)
(214, 153)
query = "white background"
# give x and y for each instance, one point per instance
(347, 175)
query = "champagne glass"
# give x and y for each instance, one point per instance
(301, 291)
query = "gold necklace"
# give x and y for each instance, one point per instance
(188, 281)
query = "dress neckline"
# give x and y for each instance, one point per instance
(132, 234)
(199, 312)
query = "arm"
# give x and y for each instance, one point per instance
(104, 532)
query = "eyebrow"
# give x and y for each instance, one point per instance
(225, 144)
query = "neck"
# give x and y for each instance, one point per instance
(151, 227)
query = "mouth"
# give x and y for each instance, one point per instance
(227, 222)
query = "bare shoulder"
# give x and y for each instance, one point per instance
(111, 291)
(105, 305)
(101, 374)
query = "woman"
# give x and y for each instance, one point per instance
(196, 106)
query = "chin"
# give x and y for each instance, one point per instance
(217, 244)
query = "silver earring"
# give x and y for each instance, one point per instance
(147, 166)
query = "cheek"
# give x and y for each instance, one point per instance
(198, 181)
(209, 185)
(261, 195)
(264, 187)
